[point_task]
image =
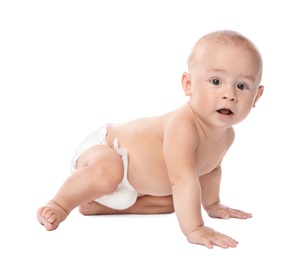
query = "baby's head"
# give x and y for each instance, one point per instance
(220, 39)
(224, 75)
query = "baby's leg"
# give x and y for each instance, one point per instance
(99, 172)
(144, 205)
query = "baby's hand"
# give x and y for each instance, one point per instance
(208, 237)
(220, 211)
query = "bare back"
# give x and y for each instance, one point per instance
(144, 139)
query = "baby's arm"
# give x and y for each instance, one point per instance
(210, 185)
(179, 152)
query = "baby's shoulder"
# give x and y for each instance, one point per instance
(178, 119)
(178, 124)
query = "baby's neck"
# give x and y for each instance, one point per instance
(210, 133)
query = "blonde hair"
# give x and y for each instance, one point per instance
(224, 37)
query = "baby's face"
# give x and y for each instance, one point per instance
(225, 83)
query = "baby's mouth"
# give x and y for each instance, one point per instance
(225, 112)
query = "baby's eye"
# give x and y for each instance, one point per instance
(216, 82)
(241, 86)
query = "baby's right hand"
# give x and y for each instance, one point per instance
(208, 237)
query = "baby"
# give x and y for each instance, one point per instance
(172, 162)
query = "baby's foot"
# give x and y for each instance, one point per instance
(51, 215)
(94, 208)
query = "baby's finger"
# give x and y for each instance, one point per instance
(207, 243)
(225, 241)
(234, 213)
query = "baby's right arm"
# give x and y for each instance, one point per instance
(187, 203)
(179, 155)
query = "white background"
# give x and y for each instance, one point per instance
(68, 66)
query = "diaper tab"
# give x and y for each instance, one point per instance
(124, 156)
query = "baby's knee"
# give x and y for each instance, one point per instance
(108, 171)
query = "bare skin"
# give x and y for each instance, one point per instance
(51, 215)
(174, 159)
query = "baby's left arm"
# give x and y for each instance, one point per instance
(210, 184)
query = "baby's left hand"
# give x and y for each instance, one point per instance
(221, 211)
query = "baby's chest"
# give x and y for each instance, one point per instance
(208, 160)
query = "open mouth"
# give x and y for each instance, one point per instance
(225, 112)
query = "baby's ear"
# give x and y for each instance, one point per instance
(186, 83)
(258, 95)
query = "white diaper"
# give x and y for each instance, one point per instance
(125, 195)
